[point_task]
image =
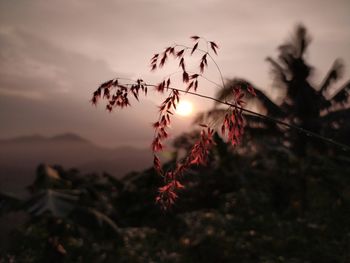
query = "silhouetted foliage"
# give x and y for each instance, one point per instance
(246, 205)
(244, 208)
(322, 109)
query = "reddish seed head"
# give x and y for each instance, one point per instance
(94, 100)
(214, 47)
(194, 48)
(180, 53)
(201, 67)
(232, 126)
(185, 77)
(163, 60)
(251, 90)
(182, 64)
(195, 38)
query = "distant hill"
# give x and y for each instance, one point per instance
(20, 156)
(71, 137)
(30, 138)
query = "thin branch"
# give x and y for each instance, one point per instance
(216, 65)
(344, 147)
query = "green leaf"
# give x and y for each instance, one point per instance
(58, 202)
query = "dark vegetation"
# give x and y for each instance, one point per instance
(280, 196)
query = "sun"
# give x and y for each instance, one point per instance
(184, 108)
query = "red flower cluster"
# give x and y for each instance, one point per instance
(200, 150)
(160, 127)
(164, 119)
(234, 126)
(167, 194)
(116, 95)
(234, 121)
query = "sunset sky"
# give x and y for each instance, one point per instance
(53, 54)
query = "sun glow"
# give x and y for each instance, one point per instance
(184, 108)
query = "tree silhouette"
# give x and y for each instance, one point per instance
(306, 109)
(323, 109)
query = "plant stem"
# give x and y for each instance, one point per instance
(344, 147)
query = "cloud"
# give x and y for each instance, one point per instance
(54, 53)
(45, 89)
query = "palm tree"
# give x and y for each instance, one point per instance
(323, 109)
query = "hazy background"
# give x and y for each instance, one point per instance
(280, 197)
(53, 54)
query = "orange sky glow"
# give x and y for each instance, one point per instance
(53, 55)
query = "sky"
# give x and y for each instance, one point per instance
(54, 54)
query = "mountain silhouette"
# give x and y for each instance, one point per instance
(39, 138)
(69, 137)
(20, 156)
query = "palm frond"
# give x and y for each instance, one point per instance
(58, 202)
(334, 74)
(263, 100)
(272, 108)
(301, 40)
(213, 116)
(277, 70)
(339, 115)
(8, 202)
(341, 96)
